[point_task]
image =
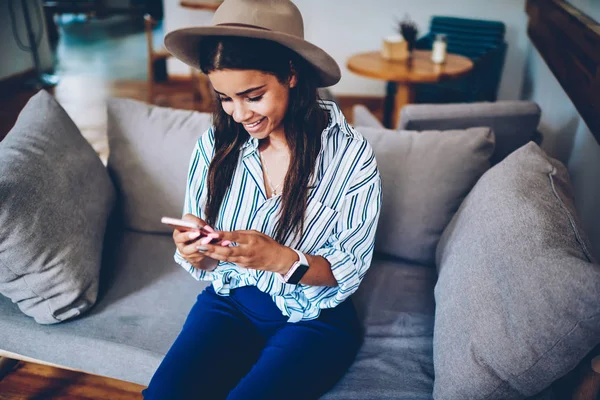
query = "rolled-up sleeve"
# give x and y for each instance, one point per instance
(195, 193)
(349, 249)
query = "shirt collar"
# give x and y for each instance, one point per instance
(251, 142)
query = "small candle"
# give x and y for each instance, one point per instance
(438, 54)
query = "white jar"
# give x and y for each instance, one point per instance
(438, 53)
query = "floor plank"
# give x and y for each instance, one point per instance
(30, 381)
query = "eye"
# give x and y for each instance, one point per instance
(222, 99)
(257, 98)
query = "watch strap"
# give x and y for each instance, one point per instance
(297, 270)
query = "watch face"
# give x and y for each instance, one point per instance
(298, 274)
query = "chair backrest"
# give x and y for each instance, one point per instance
(468, 37)
(481, 41)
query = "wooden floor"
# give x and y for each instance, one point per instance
(30, 381)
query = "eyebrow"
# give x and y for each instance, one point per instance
(244, 92)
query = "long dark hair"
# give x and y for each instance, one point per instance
(303, 123)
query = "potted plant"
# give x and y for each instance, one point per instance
(409, 31)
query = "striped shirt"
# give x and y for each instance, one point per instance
(344, 201)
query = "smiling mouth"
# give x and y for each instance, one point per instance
(252, 125)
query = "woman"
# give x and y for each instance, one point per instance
(293, 194)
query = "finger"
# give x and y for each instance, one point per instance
(185, 237)
(193, 218)
(228, 253)
(234, 236)
(203, 225)
(210, 238)
(194, 260)
(231, 259)
(191, 249)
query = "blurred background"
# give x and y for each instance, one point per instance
(99, 48)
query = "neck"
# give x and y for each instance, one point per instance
(275, 141)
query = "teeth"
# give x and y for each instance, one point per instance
(254, 124)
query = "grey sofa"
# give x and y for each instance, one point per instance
(144, 296)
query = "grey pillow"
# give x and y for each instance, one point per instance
(517, 303)
(55, 199)
(425, 176)
(150, 149)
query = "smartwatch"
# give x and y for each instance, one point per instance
(297, 271)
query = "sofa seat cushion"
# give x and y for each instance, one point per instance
(395, 302)
(143, 301)
(55, 199)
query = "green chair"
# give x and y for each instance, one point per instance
(482, 42)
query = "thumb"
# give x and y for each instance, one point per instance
(199, 221)
(193, 218)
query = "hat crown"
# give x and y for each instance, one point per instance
(274, 15)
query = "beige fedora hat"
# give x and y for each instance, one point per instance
(276, 20)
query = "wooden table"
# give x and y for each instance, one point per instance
(200, 5)
(402, 75)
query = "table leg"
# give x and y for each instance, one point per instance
(388, 105)
(405, 94)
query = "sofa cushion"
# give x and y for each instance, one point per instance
(425, 176)
(150, 150)
(56, 197)
(395, 302)
(517, 293)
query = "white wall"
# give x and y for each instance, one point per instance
(344, 27)
(14, 60)
(176, 17)
(566, 136)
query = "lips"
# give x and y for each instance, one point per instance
(254, 124)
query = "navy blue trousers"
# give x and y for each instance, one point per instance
(241, 347)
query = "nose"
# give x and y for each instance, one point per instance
(241, 113)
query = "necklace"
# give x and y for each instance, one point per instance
(273, 187)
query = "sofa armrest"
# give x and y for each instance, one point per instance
(363, 117)
(514, 122)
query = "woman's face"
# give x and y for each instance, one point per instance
(255, 99)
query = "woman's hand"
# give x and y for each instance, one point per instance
(187, 242)
(255, 250)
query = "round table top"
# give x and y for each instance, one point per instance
(420, 70)
(201, 5)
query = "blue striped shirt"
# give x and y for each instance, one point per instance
(340, 220)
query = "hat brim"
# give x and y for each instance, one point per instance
(184, 44)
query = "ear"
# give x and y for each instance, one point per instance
(293, 81)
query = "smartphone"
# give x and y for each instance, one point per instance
(185, 226)
(180, 224)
